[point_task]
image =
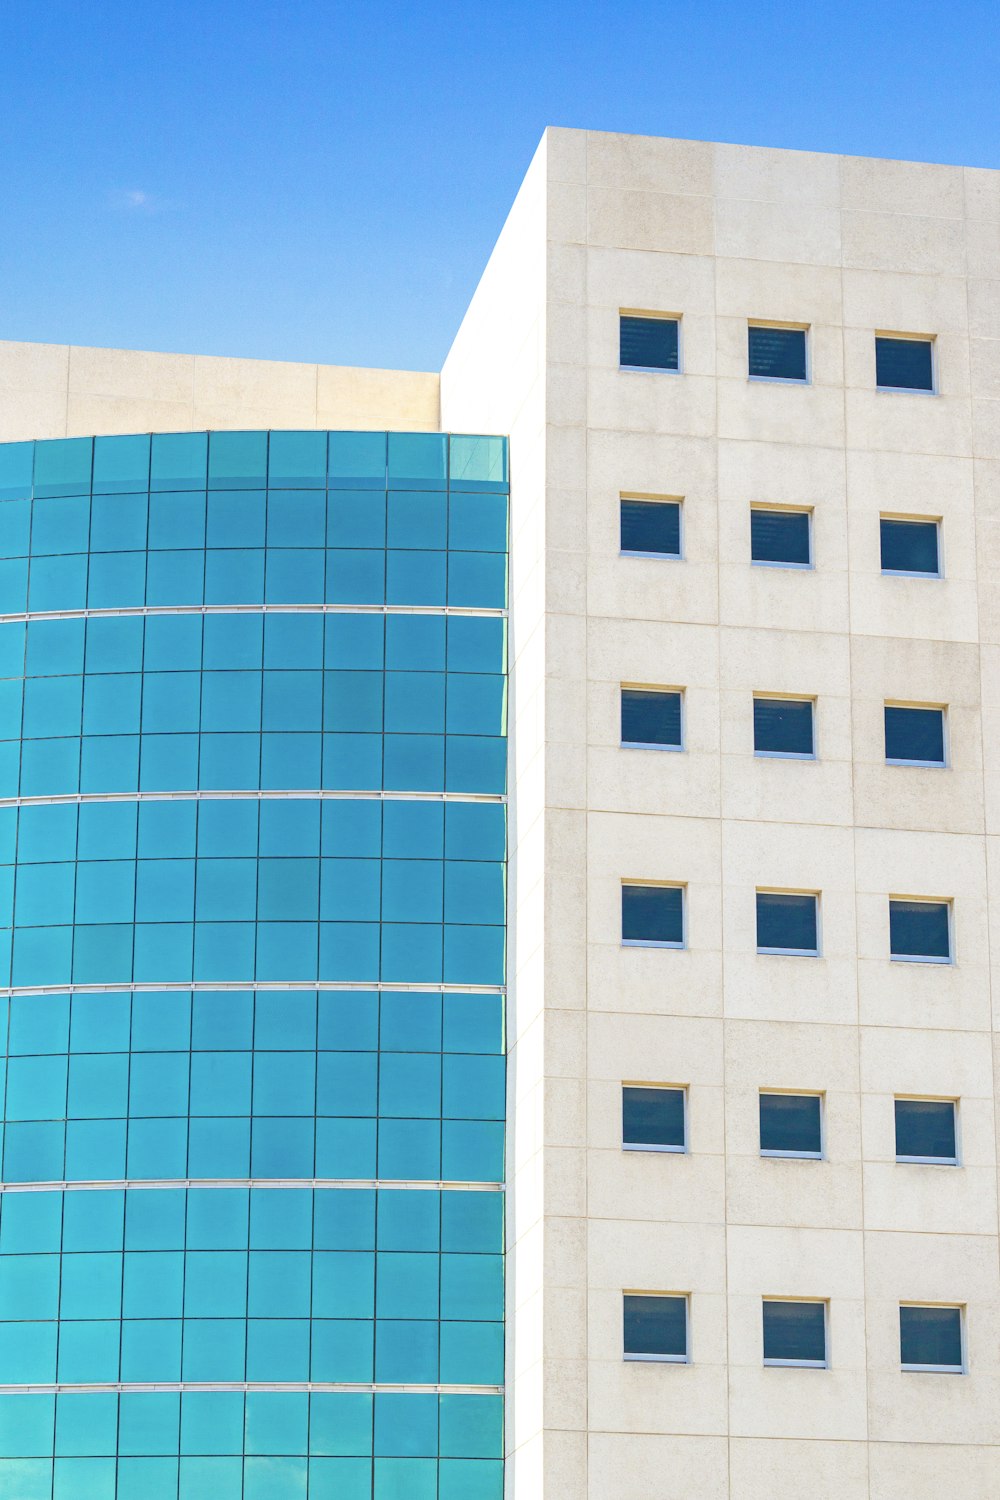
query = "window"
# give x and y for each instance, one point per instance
(910, 547)
(650, 528)
(651, 717)
(795, 1333)
(780, 538)
(649, 342)
(904, 364)
(791, 1125)
(920, 931)
(776, 353)
(914, 736)
(787, 923)
(930, 1338)
(925, 1131)
(656, 1328)
(653, 1119)
(653, 916)
(783, 727)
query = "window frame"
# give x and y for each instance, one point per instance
(908, 519)
(929, 958)
(960, 1369)
(767, 1154)
(787, 754)
(771, 890)
(800, 1364)
(930, 1161)
(645, 499)
(652, 317)
(913, 338)
(804, 328)
(659, 1359)
(674, 1088)
(643, 687)
(927, 765)
(673, 885)
(795, 510)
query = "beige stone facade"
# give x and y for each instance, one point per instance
(721, 236)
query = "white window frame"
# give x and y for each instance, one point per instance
(805, 328)
(768, 1154)
(926, 765)
(930, 1161)
(646, 687)
(963, 1368)
(673, 885)
(659, 1359)
(673, 1088)
(801, 1364)
(788, 754)
(914, 338)
(817, 952)
(925, 958)
(935, 521)
(795, 510)
(662, 317)
(639, 499)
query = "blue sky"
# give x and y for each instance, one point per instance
(321, 180)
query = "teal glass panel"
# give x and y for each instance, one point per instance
(477, 463)
(16, 467)
(418, 460)
(121, 464)
(236, 518)
(63, 466)
(297, 460)
(357, 460)
(237, 460)
(178, 461)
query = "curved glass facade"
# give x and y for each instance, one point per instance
(252, 925)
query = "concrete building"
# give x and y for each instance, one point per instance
(752, 399)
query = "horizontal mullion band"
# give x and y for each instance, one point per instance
(458, 610)
(326, 794)
(183, 986)
(375, 1388)
(128, 1184)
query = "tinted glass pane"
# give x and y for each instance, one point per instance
(782, 726)
(786, 923)
(649, 343)
(790, 1123)
(777, 353)
(780, 536)
(909, 546)
(795, 1331)
(653, 914)
(914, 734)
(904, 364)
(931, 1336)
(650, 718)
(653, 1117)
(925, 1127)
(651, 526)
(656, 1326)
(919, 929)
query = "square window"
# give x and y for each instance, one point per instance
(653, 916)
(930, 1338)
(791, 1125)
(920, 931)
(649, 343)
(784, 727)
(925, 1131)
(650, 528)
(653, 1119)
(776, 353)
(780, 538)
(914, 736)
(787, 923)
(656, 1328)
(910, 547)
(904, 364)
(795, 1333)
(651, 717)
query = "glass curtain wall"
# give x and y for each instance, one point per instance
(252, 918)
